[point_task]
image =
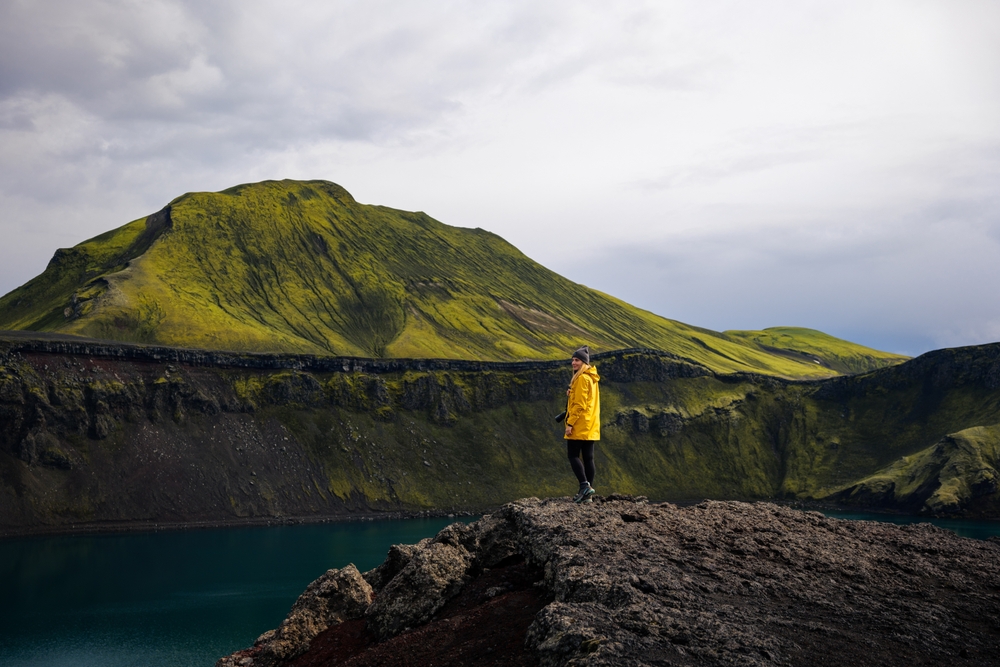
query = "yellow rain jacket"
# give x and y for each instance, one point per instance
(583, 409)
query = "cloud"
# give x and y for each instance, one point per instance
(223, 81)
(907, 285)
(778, 144)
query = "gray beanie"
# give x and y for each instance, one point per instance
(583, 354)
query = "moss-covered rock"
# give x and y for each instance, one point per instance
(958, 474)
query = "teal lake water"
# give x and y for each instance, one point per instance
(977, 530)
(174, 598)
(186, 598)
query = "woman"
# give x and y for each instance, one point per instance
(583, 422)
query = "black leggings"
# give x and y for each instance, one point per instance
(583, 469)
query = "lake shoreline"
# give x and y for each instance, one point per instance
(126, 527)
(121, 527)
(172, 598)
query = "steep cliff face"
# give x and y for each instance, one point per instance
(96, 433)
(132, 436)
(625, 582)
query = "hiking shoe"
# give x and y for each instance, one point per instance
(588, 499)
(585, 493)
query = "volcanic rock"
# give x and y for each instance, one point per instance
(337, 596)
(625, 582)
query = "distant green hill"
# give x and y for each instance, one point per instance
(811, 346)
(289, 266)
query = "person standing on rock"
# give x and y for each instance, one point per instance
(583, 422)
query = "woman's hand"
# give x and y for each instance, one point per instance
(569, 431)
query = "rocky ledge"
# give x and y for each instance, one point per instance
(625, 582)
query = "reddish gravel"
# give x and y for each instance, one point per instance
(484, 625)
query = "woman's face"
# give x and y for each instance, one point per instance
(576, 364)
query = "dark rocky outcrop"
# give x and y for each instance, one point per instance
(627, 365)
(625, 582)
(338, 596)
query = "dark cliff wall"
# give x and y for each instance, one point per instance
(98, 433)
(105, 433)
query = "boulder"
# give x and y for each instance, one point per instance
(337, 596)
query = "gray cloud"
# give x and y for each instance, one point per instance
(217, 82)
(914, 284)
(786, 162)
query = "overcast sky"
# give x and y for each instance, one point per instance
(733, 165)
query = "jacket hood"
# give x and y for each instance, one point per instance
(593, 373)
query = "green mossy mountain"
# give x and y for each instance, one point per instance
(301, 267)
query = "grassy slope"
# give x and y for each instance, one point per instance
(958, 472)
(819, 348)
(301, 267)
(849, 428)
(723, 450)
(41, 304)
(921, 436)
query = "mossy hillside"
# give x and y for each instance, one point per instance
(970, 473)
(959, 472)
(413, 461)
(819, 348)
(287, 442)
(697, 438)
(836, 449)
(849, 425)
(739, 436)
(71, 280)
(302, 267)
(433, 456)
(879, 419)
(277, 443)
